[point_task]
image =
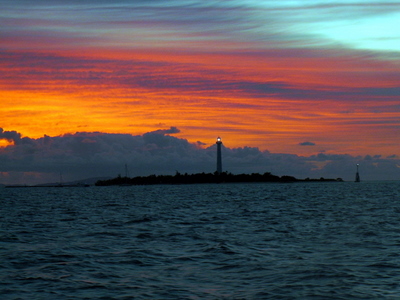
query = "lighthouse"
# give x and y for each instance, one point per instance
(219, 156)
(357, 175)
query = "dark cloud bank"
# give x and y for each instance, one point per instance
(96, 154)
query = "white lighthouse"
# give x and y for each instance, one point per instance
(219, 156)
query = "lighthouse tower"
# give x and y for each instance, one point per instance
(219, 156)
(357, 175)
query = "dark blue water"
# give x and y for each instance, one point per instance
(226, 241)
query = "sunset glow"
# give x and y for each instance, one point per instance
(263, 74)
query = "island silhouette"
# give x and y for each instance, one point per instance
(197, 178)
(217, 177)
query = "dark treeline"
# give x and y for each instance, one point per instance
(224, 177)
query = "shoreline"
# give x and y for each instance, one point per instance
(202, 178)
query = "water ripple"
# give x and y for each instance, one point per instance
(233, 241)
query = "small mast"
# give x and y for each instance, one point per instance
(357, 175)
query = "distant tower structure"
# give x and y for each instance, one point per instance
(219, 156)
(357, 175)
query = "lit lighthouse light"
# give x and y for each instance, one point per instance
(219, 156)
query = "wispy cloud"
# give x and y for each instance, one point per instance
(262, 73)
(178, 23)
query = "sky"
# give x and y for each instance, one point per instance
(303, 88)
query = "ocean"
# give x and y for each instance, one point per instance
(306, 240)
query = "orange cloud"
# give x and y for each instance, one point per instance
(267, 99)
